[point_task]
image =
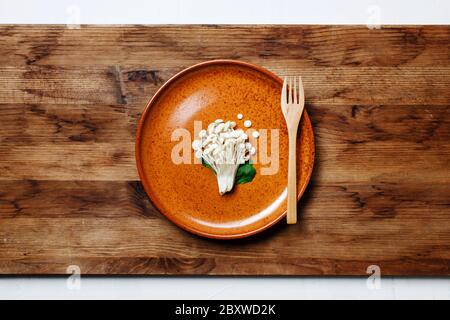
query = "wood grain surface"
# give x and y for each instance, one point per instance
(70, 100)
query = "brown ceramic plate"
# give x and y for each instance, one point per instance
(187, 194)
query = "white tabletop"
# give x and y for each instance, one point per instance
(370, 12)
(226, 11)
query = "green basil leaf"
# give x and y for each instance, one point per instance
(246, 172)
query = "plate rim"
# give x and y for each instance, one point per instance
(138, 157)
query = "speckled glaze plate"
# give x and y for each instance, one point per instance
(187, 193)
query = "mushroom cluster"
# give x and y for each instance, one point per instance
(224, 149)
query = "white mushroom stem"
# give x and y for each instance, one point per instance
(225, 177)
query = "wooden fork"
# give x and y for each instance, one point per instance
(292, 104)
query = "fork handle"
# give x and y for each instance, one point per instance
(292, 179)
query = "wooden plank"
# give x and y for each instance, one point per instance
(66, 239)
(31, 124)
(29, 238)
(82, 221)
(170, 46)
(222, 266)
(74, 199)
(57, 85)
(135, 85)
(397, 144)
(353, 143)
(121, 199)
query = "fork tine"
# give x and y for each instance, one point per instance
(290, 91)
(301, 92)
(283, 91)
(294, 92)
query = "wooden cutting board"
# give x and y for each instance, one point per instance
(70, 100)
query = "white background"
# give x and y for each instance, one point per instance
(229, 12)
